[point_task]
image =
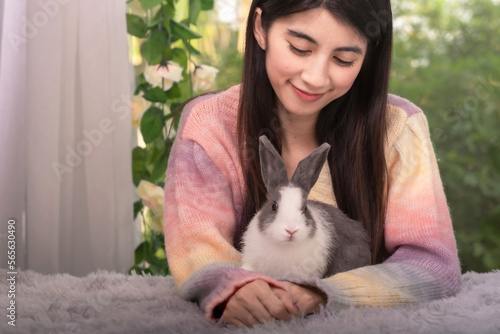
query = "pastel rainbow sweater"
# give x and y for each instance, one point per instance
(204, 193)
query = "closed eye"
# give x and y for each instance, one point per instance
(343, 62)
(298, 51)
(339, 61)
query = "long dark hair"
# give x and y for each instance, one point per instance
(354, 124)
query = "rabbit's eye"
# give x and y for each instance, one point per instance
(304, 209)
(275, 206)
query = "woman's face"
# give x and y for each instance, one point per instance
(311, 59)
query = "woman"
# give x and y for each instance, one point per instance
(315, 71)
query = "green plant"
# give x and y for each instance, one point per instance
(166, 78)
(446, 61)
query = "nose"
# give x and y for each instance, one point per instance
(316, 73)
(291, 231)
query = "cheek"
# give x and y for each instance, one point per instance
(279, 63)
(344, 79)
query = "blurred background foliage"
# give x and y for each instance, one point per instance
(447, 61)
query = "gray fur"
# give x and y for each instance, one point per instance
(113, 303)
(350, 248)
(272, 166)
(309, 168)
(268, 215)
(267, 212)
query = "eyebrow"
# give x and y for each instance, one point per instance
(298, 34)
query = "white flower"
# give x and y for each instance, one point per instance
(139, 106)
(168, 74)
(203, 77)
(152, 76)
(152, 196)
(154, 221)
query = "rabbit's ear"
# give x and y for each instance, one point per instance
(308, 169)
(271, 165)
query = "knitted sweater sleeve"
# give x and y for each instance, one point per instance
(424, 263)
(200, 218)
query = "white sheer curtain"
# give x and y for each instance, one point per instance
(71, 151)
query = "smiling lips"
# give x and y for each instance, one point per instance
(306, 96)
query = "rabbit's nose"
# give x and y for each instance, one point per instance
(290, 231)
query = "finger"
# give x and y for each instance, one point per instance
(249, 320)
(279, 303)
(234, 312)
(260, 312)
(254, 300)
(237, 323)
(276, 310)
(240, 317)
(307, 298)
(246, 307)
(287, 300)
(272, 306)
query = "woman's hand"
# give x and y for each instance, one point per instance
(258, 302)
(308, 299)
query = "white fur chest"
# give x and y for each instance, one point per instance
(272, 252)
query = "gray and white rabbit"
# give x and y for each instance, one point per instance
(293, 236)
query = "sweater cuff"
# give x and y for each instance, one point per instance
(322, 286)
(213, 287)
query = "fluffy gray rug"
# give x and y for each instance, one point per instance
(106, 302)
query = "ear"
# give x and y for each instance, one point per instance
(271, 165)
(309, 168)
(258, 31)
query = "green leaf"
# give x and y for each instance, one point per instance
(137, 208)
(191, 49)
(152, 250)
(166, 25)
(194, 10)
(158, 241)
(142, 87)
(160, 168)
(169, 116)
(135, 269)
(139, 253)
(174, 92)
(156, 95)
(155, 20)
(155, 150)
(142, 80)
(207, 4)
(174, 107)
(153, 49)
(136, 26)
(151, 124)
(148, 4)
(183, 31)
(159, 269)
(167, 53)
(139, 171)
(180, 57)
(169, 10)
(147, 271)
(148, 253)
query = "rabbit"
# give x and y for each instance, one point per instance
(293, 236)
